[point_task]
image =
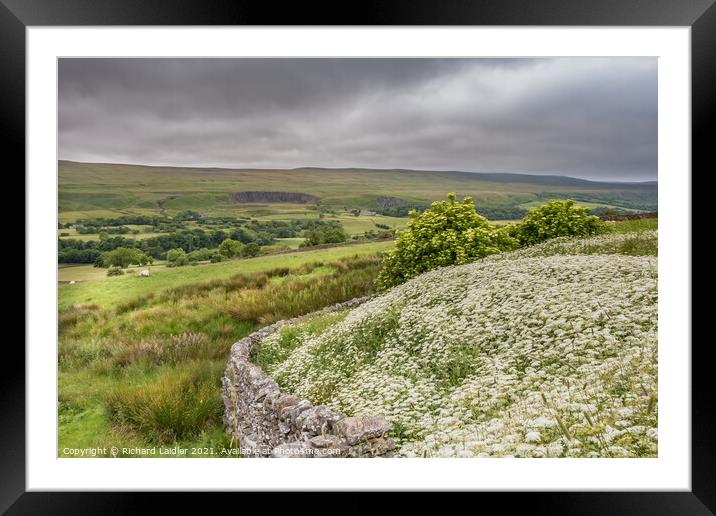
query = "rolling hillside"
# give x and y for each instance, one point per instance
(90, 190)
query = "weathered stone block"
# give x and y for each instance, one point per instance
(361, 428)
(327, 441)
(284, 402)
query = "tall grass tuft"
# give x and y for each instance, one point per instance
(234, 283)
(179, 405)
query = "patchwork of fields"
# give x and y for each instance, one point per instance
(90, 190)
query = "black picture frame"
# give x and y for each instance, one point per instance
(700, 15)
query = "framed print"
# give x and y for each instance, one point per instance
(442, 248)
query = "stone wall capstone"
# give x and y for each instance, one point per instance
(266, 422)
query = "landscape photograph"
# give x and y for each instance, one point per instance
(357, 258)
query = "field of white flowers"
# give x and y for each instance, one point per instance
(550, 351)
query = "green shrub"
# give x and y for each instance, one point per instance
(251, 249)
(448, 233)
(200, 255)
(556, 219)
(230, 248)
(115, 271)
(319, 236)
(176, 257)
(124, 257)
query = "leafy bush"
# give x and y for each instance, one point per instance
(556, 219)
(448, 233)
(124, 257)
(176, 257)
(230, 247)
(115, 271)
(251, 249)
(200, 255)
(330, 235)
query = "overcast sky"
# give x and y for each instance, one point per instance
(593, 118)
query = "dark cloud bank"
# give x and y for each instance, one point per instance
(592, 118)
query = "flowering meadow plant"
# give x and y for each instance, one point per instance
(550, 351)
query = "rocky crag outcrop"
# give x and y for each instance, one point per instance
(273, 197)
(266, 422)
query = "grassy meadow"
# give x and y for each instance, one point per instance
(144, 370)
(95, 288)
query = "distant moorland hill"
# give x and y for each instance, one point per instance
(88, 190)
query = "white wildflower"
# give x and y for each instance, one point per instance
(542, 345)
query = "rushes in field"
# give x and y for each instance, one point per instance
(179, 405)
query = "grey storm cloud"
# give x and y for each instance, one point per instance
(584, 117)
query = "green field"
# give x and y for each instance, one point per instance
(96, 288)
(85, 272)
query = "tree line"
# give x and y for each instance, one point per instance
(259, 233)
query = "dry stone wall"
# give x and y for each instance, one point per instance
(266, 422)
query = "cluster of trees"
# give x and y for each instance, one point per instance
(108, 230)
(259, 233)
(123, 257)
(230, 248)
(451, 232)
(222, 221)
(74, 255)
(401, 211)
(377, 235)
(227, 249)
(325, 235)
(117, 226)
(124, 220)
(87, 251)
